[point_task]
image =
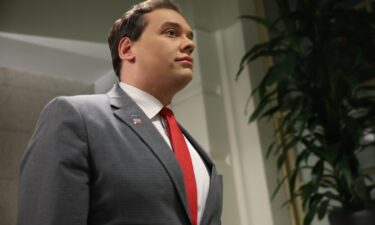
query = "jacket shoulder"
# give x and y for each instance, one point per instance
(79, 102)
(83, 99)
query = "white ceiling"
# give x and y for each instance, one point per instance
(69, 19)
(90, 20)
(54, 36)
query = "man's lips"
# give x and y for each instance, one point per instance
(186, 60)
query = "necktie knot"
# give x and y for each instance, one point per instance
(166, 112)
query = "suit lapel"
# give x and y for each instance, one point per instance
(128, 112)
(214, 179)
(211, 202)
(206, 159)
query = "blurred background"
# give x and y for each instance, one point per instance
(51, 48)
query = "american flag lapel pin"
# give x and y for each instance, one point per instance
(136, 119)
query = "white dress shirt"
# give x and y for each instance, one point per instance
(151, 107)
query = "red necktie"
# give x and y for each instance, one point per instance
(183, 157)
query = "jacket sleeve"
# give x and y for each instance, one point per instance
(54, 175)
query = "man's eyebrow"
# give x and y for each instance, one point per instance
(190, 33)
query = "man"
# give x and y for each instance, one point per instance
(121, 158)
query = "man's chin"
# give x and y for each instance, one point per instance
(188, 78)
(184, 80)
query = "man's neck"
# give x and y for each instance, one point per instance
(164, 97)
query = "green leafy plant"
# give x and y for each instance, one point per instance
(322, 83)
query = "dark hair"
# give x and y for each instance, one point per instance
(132, 25)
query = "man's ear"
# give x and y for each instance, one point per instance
(125, 49)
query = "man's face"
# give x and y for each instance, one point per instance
(164, 50)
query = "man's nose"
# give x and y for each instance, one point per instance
(188, 45)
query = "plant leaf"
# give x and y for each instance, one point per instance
(268, 45)
(271, 26)
(264, 102)
(279, 185)
(317, 172)
(322, 209)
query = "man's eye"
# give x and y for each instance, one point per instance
(171, 33)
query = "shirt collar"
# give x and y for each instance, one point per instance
(148, 103)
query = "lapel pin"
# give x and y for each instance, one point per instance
(136, 119)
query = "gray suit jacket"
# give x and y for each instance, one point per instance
(88, 163)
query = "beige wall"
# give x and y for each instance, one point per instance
(22, 97)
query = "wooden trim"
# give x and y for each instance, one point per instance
(370, 170)
(367, 4)
(296, 214)
(295, 208)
